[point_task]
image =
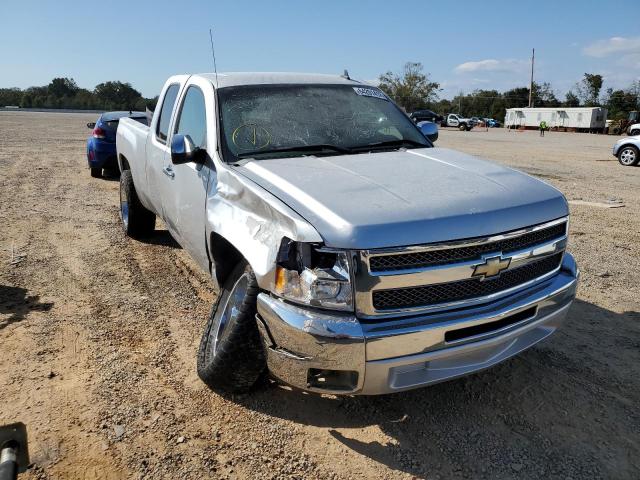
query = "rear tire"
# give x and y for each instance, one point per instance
(231, 356)
(96, 172)
(137, 221)
(629, 156)
(634, 132)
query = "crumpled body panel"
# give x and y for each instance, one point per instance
(253, 221)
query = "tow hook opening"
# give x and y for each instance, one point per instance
(336, 380)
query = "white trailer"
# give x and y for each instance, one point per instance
(558, 118)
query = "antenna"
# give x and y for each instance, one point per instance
(213, 54)
(533, 57)
(346, 75)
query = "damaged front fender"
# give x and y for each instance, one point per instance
(253, 221)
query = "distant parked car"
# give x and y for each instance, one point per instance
(101, 145)
(429, 130)
(634, 129)
(627, 150)
(493, 123)
(425, 116)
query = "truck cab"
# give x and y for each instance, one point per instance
(351, 256)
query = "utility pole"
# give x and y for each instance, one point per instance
(533, 56)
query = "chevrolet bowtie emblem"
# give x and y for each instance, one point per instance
(491, 267)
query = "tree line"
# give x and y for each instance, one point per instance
(413, 90)
(65, 93)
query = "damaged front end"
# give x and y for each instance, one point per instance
(313, 275)
(309, 338)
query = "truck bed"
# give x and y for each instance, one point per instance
(131, 144)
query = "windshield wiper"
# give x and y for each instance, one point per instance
(300, 148)
(390, 143)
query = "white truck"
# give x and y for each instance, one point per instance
(455, 120)
(351, 255)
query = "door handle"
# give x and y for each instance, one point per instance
(168, 171)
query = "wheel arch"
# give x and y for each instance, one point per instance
(123, 163)
(625, 145)
(223, 256)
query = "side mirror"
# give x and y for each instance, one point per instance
(184, 151)
(429, 130)
(91, 125)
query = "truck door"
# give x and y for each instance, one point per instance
(453, 121)
(157, 147)
(184, 190)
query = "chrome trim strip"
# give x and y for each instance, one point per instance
(462, 243)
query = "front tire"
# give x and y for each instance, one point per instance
(629, 156)
(231, 356)
(634, 132)
(137, 221)
(462, 127)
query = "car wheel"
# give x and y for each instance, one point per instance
(462, 127)
(137, 221)
(231, 356)
(96, 172)
(635, 132)
(629, 155)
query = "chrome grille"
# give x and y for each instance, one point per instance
(428, 258)
(420, 278)
(465, 289)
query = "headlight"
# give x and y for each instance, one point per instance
(314, 276)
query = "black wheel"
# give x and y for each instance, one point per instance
(137, 221)
(231, 356)
(634, 132)
(96, 172)
(462, 127)
(629, 155)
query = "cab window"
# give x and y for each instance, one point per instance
(162, 129)
(192, 119)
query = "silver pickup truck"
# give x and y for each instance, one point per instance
(351, 255)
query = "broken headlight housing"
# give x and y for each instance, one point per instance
(313, 275)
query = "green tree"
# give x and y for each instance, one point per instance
(116, 95)
(620, 102)
(571, 100)
(543, 95)
(62, 87)
(410, 89)
(10, 96)
(588, 89)
(516, 97)
(151, 103)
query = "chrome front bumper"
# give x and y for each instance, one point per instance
(304, 345)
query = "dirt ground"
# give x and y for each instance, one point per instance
(98, 339)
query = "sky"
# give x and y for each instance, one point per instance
(464, 45)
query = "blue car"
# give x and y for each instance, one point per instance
(101, 145)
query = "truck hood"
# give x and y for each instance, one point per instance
(407, 197)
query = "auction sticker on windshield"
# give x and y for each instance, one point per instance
(370, 92)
